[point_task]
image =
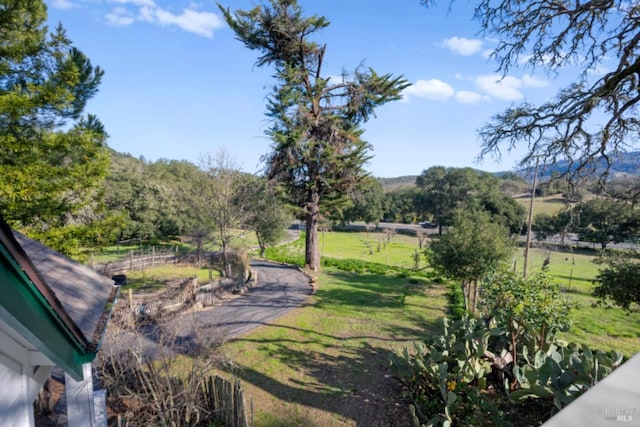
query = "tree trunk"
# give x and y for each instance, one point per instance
(262, 245)
(312, 257)
(475, 296)
(225, 261)
(465, 295)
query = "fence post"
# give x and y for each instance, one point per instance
(131, 259)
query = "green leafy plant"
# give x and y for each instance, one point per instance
(530, 310)
(442, 376)
(455, 299)
(562, 373)
(619, 281)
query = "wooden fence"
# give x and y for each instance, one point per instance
(218, 400)
(226, 401)
(139, 260)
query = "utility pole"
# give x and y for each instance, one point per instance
(530, 221)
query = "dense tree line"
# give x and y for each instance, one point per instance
(601, 220)
(209, 202)
(438, 192)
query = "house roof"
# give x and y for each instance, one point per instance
(83, 292)
(57, 303)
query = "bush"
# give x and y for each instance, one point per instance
(619, 281)
(478, 370)
(360, 267)
(443, 377)
(455, 299)
(530, 310)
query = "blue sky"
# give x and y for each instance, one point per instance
(178, 84)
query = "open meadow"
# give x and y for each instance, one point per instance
(327, 363)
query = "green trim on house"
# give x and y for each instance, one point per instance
(31, 316)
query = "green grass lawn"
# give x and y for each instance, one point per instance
(104, 254)
(599, 327)
(374, 247)
(326, 364)
(155, 278)
(549, 205)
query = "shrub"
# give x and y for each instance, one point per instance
(455, 299)
(457, 377)
(530, 310)
(442, 377)
(619, 281)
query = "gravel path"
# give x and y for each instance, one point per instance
(279, 290)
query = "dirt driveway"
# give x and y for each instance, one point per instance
(279, 289)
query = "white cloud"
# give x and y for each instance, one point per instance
(469, 97)
(191, 20)
(119, 17)
(505, 88)
(599, 70)
(486, 54)
(140, 3)
(533, 81)
(62, 4)
(146, 14)
(200, 23)
(462, 46)
(433, 89)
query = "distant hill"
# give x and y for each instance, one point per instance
(398, 182)
(624, 165)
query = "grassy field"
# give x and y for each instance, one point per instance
(374, 247)
(326, 364)
(549, 205)
(599, 327)
(158, 276)
(104, 254)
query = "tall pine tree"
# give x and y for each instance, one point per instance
(52, 159)
(317, 148)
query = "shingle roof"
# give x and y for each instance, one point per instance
(83, 292)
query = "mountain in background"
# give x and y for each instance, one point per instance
(623, 165)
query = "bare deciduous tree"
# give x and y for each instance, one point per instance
(593, 118)
(224, 204)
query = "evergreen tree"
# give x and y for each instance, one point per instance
(52, 159)
(317, 148)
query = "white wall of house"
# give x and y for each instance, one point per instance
(23, 371)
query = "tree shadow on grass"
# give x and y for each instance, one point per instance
(353, 383)
(337, 376)
(370, 290)
(342, 377)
